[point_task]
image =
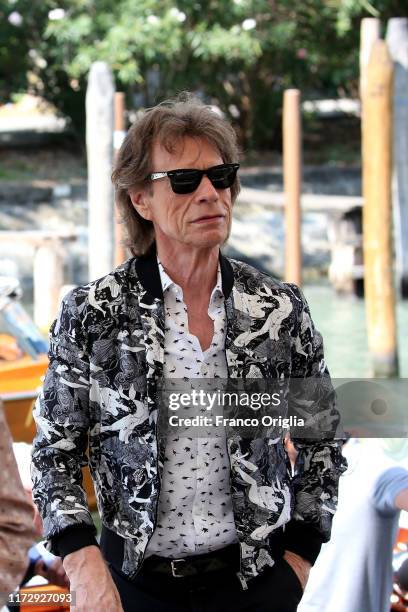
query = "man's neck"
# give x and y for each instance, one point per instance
(194, 270)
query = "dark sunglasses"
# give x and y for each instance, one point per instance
(187, 180)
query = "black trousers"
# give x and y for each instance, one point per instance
(276, 590)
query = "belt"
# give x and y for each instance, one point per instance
(112, 546)
(225, 558)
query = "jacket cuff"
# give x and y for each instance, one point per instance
(73, 538)
(303, 539)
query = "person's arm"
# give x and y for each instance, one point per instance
(61, 415)
(91, 581)
(391, 491)
(17, 531)
(319, 462)
(59, 452)
(49, 567)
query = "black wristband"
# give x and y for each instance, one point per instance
(303, 539)
(73, 539)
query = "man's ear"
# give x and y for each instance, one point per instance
(140, 202)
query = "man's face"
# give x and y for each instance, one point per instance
(200, 219)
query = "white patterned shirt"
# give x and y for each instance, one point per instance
(195, 507)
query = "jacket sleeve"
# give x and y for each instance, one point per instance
(62, 419)
(319, 462)
(17, 531)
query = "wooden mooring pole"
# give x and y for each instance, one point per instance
(370, 32)
(397, 40)
(99, 144)
(377, 211)
(118, 136)
(292, 177)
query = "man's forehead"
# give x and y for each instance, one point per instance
(185, 150)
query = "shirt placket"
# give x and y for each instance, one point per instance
(186, 344)
(207, 453)
(202, 520)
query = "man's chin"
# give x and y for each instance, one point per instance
(210, 237)
(209, 243)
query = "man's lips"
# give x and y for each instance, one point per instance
(207, 218)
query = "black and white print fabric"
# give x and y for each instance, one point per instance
(195, 506)
(106, 362)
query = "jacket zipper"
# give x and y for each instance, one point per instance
(158, 489)
(240, 575)
(134, 574)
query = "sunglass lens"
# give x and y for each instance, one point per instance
(185, 181)
(222, 177)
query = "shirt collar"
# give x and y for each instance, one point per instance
(168, 282)
(165, 279)
(148, 274)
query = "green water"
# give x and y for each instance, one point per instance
(341, 321)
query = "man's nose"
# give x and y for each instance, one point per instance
(206, 190)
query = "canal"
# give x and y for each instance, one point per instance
(342, 323)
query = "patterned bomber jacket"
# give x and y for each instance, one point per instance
(99, 400)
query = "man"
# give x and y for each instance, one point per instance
(359, 576)
(185, 526)
(16, 518)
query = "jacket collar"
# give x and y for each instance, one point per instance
(149, 275)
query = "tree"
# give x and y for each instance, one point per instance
(239, 54)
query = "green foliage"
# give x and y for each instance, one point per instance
(239, 54)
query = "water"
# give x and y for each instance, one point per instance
(342, 323)
(258, 236)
